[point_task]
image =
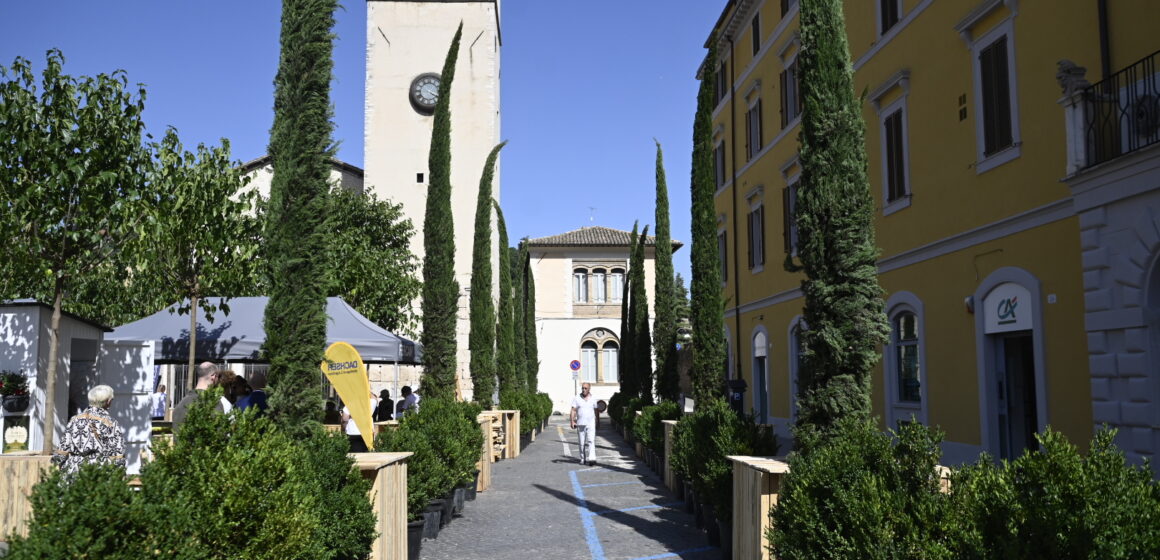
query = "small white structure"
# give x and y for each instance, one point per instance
(579, 279)
(84, 360)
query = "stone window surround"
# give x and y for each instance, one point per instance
(900, 302)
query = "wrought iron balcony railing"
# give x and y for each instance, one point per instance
(1123, 111)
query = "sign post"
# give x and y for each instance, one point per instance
(574, 365)
(345, 369)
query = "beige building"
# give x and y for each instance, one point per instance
(579, 279)
(407, 42)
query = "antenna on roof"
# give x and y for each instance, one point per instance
(591, 214)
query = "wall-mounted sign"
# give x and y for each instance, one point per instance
(1007, 307)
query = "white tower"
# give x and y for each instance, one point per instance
(407, 42)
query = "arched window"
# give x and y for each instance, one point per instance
(760, 377)
(903, 361)
(616, 285)
(588, 361)
(580, 285)
(905, 337)
(598, 288)
(610, 372)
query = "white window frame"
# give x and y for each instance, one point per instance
(599, 286)
(891, 206)
(878, 16)
(898, 410)
(579, 285)
(720, 162)
(606, 364)
(985, 163)
(589, 366)
(788, 62)
(616, 285)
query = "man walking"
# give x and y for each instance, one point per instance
(206, 376)
(585, 421)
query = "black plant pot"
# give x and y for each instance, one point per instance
(16, 403)
(414, 538)
(725, 530)
(698, 513)
(469, 488)
(448, 509)
(432, 518)
(709, 523)
(690, 497)
(458, 496)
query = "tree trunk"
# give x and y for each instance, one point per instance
(192, 333)
(50, 383)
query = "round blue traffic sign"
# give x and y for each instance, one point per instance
(575, 365)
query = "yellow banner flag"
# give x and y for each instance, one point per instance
(345, 369)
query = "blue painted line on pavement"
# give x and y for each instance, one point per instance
(675, 554)
(612, 484)
(586, 516)
(650, 506)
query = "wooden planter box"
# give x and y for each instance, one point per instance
(511, 428)
(388, 494)
(19, 472)
(756, 483)
(485, 454)
(670, 476)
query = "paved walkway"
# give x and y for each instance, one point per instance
(545, 505)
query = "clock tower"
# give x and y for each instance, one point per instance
(407, 43)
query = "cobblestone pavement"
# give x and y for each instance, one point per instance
(545, 505)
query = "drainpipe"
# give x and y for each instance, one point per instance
(1105, 49)
(733, 173)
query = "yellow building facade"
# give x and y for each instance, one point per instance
(981, 257)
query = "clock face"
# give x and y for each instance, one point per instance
(425, 92)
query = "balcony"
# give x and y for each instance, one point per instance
(1121, 113)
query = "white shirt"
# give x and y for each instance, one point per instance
(411, 403)
(351, 427)
(585, 410)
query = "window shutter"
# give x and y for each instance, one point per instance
(786, 220)
(760, 236)
(784, 7)
(749, 233)
(757, 119)
(784, 99)
(995, 86)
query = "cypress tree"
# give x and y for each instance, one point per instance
(517, 256)
(665, 324)
(481, 341)
(440, 289)
(835, 210)
(505, 329)
(300, 147)
(708, 316)
(641, 337)
(627, 364)
(531, 342)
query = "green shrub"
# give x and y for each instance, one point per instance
(93, 515)
(616, 405)
(545, 401)
(427, 476)
(526, 404)
(628, 414)
(667, 410)
(230, 487)
(642, 427)
(712, 433)
(859, 495)
(1055, 503)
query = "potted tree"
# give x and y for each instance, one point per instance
(14, 388)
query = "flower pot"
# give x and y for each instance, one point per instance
(458, 496)
(448, 506)
(470, 488)
(431, 519)
(690, 498)
(698, 513)
(16, 403)
(725, 530)
(709, 523)
(414, 538)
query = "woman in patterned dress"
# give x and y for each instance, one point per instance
(92, 436)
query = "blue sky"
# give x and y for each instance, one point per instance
(586, 87)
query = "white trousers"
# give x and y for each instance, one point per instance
(587, 433)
